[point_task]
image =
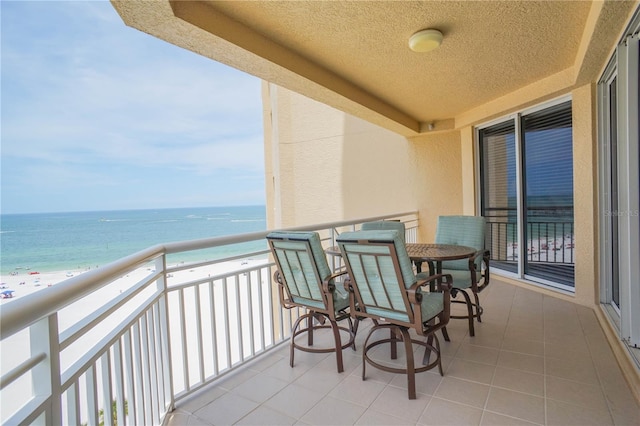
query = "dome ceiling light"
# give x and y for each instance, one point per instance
(425, 40)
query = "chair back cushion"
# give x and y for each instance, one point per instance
(302, 262)
(381, 271)
(381, 225)
(462, 231)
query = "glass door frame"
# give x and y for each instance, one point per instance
(521, 212)
(625, 67)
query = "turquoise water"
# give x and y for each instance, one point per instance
(48, 242)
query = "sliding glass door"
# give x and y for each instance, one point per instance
(619, 117)
(548, 194)
(526, 167)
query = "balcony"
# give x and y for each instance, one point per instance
(206, 343)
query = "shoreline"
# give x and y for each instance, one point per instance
(26, 282)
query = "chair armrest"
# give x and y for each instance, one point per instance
(328, 285)
(441, 285)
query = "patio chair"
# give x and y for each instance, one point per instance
(305, 281)
(468, 275)
(385, 225)
(383, 285)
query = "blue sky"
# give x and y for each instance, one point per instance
(100, 116)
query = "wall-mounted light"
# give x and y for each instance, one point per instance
(425, 40)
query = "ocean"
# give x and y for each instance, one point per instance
(47, 242)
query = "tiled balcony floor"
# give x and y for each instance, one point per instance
(534, 360)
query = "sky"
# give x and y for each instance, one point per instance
(99, 116)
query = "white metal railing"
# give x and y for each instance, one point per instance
(122, 343)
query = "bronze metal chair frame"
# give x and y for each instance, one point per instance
(399, 330)
(321, 315)
(475, 289)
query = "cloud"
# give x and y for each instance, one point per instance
(84, 94)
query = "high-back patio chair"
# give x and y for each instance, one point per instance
(380, 225)
(305, 281)
(468, 275)
(384, 287)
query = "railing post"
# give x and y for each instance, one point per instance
(163, 305)
(45, 376)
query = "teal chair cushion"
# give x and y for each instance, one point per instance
(460, 278)
(299, 269)
(385, 225)
(432, 304)
(378, 281)
(463, 231)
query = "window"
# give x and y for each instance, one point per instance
(526, 168)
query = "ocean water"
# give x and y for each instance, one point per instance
(48, 242)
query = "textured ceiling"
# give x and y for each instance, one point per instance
(355, 56)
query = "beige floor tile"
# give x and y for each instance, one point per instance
(282, 370)
(577, 369)
(333, 411)
(577, 393)
(266, 416)
(354, 389)
(227, 409)
(519, 380)
(530, 347)
(295, 400)
(443, 412)
(516, 404)
(518, 361)
(629, 416)
(463, 392)
(495, 419)
(426, 382)
(377, 418)
(321, 379)
(260, 388)
(472, 371)
(199, 399)
(526, 331)
(235, 378)
(566, 348)
(180, 418)
(475, 353)
(562, 414)
(395, 402)
(492, 340)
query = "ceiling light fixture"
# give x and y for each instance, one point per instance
(425, 40)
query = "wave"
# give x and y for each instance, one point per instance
(6, 232)
(248, 220)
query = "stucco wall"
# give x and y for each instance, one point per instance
(325, 165)
(328, 166)
(436, 161)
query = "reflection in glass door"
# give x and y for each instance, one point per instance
(548, 194)
(526, 194)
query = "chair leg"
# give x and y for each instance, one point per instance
(469, 312)
(439, 355)
(445, 334)
(354, 330)
(338, 342)
(411, 367)
(478, 308)
(293, 335)
(394, 343)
